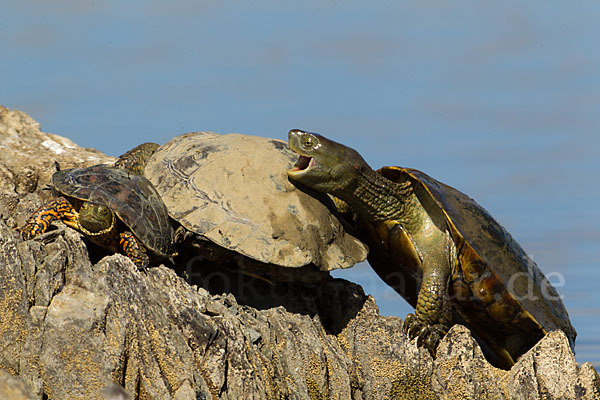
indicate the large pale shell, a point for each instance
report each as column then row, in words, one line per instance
column 233, row 190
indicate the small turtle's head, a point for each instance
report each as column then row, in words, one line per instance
column 95, row 218
column 324, row 165
column 135, row 159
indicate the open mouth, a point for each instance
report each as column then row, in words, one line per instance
column 303, row 164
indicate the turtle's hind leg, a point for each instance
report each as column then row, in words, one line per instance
column 40, row 220
column 133, row 249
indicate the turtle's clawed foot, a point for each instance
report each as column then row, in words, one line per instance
column 134, row 249
column 28, row 231
column 428, row 336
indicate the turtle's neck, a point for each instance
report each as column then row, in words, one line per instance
column 377, row 198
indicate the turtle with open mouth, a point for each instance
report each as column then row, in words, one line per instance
column 439, row 249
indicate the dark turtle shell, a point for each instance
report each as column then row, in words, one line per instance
column 494, row 286
column 131, row 197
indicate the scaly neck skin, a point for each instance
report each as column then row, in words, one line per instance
column 373, row 196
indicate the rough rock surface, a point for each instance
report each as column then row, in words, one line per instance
column 78, row 324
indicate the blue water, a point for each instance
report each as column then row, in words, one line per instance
column 499, row 99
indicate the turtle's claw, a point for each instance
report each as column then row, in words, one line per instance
column 428, row 336
column 26, row 231
column 413, row 327
column 409, row 322
column 423, row 336
column 432, row 342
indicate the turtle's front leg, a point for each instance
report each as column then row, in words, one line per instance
column 133, row 249
column 40, row 220
column 431, row 320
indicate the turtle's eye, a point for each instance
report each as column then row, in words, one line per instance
column 104, row 211
column 308, row 142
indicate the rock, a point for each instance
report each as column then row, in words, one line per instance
column 75, row 323
column 28, row 158
column 14, row 388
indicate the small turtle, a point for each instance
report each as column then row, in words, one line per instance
column 232, row 190
column 440, row 250
column 113, row 208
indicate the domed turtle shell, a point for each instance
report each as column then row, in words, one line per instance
column 234, row 191
column 131, row 197
column 494, row 286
